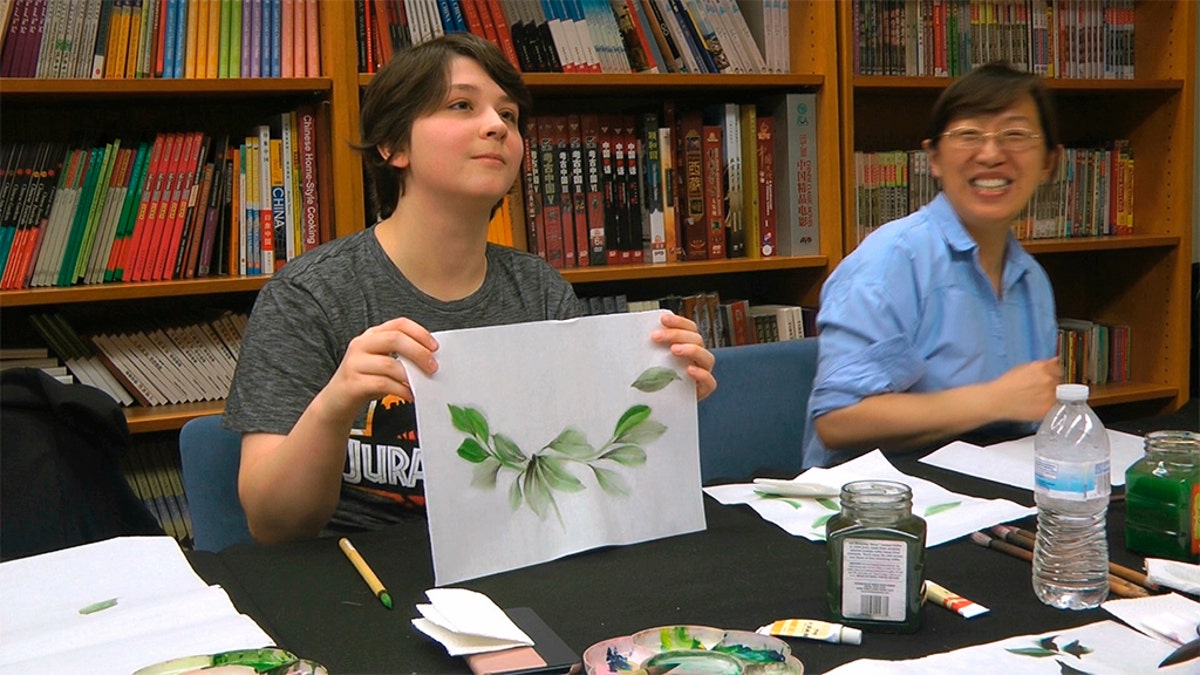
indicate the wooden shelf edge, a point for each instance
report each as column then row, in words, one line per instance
column 897, row 82
column 33, row 297
column 160, row 88
column 549, row 83
column 1129, row 392
column 583, row 275
column 143, row 420
column 1100, row 243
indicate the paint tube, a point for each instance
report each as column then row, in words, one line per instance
column 953, row 601
column 810, row 629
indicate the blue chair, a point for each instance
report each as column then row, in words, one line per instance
column 753, row 424
column 210, row 456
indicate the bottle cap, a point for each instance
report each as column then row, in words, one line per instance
column 1071, row 392
column 851, row 636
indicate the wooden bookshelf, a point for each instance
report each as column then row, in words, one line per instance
column 814, row 69
column 1141, row 280
column 64, row 109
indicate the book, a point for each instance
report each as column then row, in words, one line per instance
column 654, row 239
column 532, row 192
column 494, row 9
column 767, row 204
column 695, row 230
column 578, row 191
column 551, row 207
column 669, row 196
column 641, row 60
column 141, row 254
column 748, row 129
column 566, row 203
column 190, row 168
column 45, row 269
column 713, row 166
column 732, row 181
column 796, row 171
column 667, row 49
column 738, row 322
column 631, row 194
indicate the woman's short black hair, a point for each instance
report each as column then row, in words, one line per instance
column 989, row 89
column 413, row 83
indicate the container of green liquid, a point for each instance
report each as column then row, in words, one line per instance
column 1162, row 497
column 876, row 557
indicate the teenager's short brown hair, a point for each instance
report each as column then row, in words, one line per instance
column 414, row 83
column 989, row 89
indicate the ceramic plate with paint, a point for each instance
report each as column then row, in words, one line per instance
column 692, row 649
column 265, row 661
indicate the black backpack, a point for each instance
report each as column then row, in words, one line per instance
column 60, row 475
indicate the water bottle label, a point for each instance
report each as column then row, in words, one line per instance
column 1076, row 481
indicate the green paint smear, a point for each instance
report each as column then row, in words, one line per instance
column 750, row 654
column 98, row 606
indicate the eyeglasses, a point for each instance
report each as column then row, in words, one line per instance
column 1014, row 140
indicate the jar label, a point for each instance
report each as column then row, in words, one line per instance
column 1076, row 481
column 874, row 579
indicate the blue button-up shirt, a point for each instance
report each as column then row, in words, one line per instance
column 911, row 310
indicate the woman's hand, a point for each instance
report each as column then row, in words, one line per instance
column 680, row 335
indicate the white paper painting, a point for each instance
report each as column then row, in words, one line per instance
column 544, row 439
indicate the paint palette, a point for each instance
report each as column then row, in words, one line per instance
column 270, row 660
column 692, row 649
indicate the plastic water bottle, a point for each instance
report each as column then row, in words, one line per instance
column 1071, row 477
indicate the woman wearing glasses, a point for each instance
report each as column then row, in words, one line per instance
column 939, row 323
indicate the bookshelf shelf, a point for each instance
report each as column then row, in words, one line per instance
column 887, row 83
column 132, row 291
column 582, row 275
column 599, row 83
column 1142, row 280
column 1083, row 244
column 168, row 417
column 1129, row 392
column 41, row 90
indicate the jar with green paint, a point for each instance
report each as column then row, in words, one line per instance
column 1162, row 497
column 876, row 557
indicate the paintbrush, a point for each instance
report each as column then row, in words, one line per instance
column 1025, row 539
column 1116, row 585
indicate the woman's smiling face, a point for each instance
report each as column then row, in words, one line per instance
column 989, row 183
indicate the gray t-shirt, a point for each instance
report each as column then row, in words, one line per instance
column 305, row 317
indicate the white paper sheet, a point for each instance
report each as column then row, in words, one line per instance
column 1169, row 617
column 468, row 622
column 1102, row 648
column 1011, row 462
column 163, row 610
column 616, row 463
column 947, row 514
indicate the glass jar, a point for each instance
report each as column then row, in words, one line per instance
column 1162, row 497
column 876, row 549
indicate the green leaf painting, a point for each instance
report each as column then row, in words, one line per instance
column 829, row 504
column 654, row 379
column 939, row 508
column 1047, row 647
column 549, row 471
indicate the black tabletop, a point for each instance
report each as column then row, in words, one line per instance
column 740, row 573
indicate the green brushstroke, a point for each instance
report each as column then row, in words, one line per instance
column 98, row 606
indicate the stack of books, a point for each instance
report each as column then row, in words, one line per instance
column 155, row 363
column 160, row 38
column 183, row 205
column 722, row 181
column 590, row 36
